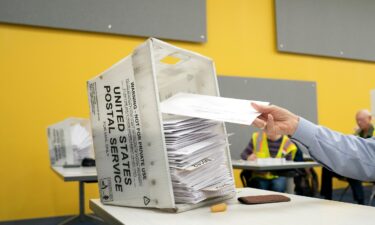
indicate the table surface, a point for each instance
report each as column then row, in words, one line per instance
column 76, row 173
column 253, row 165
column 300, row 210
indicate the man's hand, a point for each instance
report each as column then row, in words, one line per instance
column 275, row 120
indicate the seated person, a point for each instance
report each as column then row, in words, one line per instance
column 263, row 146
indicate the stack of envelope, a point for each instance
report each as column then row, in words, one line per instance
column 196, row 154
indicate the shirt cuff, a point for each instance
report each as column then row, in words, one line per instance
column 305, row 132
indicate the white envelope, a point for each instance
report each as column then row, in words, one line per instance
column 211, row 107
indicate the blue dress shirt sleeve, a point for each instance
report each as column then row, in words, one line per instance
column 347, row 155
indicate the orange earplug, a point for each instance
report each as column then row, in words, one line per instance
column 219, row 208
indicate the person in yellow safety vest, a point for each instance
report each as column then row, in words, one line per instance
column 263, row 146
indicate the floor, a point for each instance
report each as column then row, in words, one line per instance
column 43, row 221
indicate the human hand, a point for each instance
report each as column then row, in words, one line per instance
column 275, row 120
column 252, row 157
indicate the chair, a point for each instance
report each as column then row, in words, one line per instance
column 345, row 190
column 358, row 195
column 372, row 194
column 306, row 183
column 245, row 176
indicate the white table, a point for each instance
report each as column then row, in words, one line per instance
column 300, row 210
column 253, row 165
column 82, row 175
column 76, row 173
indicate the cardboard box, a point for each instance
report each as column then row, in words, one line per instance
column 129, row 142
column 70, row 141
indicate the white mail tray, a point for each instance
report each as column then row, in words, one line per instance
column 130, row 148
column 70, row 141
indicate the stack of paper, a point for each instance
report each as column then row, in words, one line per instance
column 196, row 148
column 81, row 143
column 196, row 153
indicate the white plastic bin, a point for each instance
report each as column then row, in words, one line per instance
column 70, row 141
column 129, row 142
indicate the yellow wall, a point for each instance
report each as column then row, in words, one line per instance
column 43, row 74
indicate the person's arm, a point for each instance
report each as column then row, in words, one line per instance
column 346, row 155
column 248, row 151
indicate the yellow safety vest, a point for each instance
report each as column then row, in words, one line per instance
column 359, row 131
column 261, row 150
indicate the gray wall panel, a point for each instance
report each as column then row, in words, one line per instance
column 297, row 96
column 171, row 19
column 338, row 28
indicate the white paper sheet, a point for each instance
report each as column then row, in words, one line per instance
column 211, row 107
column 81, row 142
